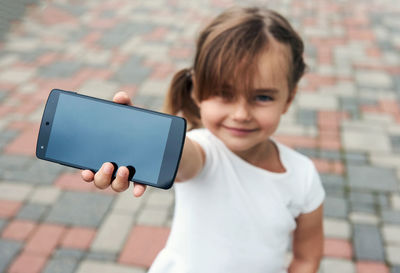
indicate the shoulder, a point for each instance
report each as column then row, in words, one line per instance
column 294, row 158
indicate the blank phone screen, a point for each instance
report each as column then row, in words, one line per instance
column 88, row 132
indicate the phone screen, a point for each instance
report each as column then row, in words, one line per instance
column 90, row 132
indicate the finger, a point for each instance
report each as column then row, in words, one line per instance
column 138, row 189
column 102, row 179
column 121, row 182
column 87, row 175
column 122, row 98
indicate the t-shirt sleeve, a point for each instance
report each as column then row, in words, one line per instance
column 315, row 193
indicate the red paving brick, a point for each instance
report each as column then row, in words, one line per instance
column 25, row 143
column 28, row 263
column 78, row 237
column 18, row 230
column 45, row 239
column 143, row 245
column 338, row 248
column 9, row 208
column 371, row 267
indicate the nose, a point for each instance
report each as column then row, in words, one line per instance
column 242, row 111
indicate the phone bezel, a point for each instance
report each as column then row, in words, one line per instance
column 173, row 149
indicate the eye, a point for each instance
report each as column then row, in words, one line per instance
column 263, row 98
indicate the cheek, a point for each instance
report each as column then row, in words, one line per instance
column 210, row 113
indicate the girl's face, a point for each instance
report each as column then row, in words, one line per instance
column 244, row 122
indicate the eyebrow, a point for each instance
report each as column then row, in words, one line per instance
column 266, row 90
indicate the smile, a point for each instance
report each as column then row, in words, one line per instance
column 239, row 131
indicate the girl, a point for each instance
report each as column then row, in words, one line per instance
column 244, row 194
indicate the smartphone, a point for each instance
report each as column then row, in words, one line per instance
column 84, row 132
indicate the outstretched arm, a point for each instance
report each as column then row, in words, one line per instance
column 191, row 163
column 308, row 242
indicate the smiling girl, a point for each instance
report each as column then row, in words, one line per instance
column 242, row 197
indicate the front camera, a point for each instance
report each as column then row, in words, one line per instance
column 47, row 123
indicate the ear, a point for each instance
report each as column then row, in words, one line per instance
column 290, row 99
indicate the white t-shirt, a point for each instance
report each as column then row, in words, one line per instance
column 235, row 217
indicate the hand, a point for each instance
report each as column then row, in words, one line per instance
column 102, row 179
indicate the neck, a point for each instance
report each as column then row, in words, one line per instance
column 264, row 155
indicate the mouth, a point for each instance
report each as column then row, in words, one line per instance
column 239, row 131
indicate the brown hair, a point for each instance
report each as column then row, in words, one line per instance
column 227, row 50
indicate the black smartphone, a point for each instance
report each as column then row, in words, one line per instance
column 84, row 132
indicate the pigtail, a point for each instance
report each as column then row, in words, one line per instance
column 179, row 99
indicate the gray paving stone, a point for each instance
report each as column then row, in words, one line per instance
column 372, row 178
column 335, row 207
column 102, row 256
column 132, row 72
column 354, row 158
column 61, row 69
column 395, row 141
column 32, row 211
column 309, row 152
column 391, row 216
column 8, row 249
column 307, row 117
column 330, row 155
column 368, row 243
column 81, row 209
column 383, row 201
column 67, row 253
column 395, row 269
column 149, row 102
column 65, row 265
column 362, row 197
column 363, row 207
column 122, row 33
column 3, row 223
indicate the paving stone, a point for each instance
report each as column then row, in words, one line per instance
column 307, row 117
column 363, row 208
column 390, row 216
column 315, row 101
column 112, row 233
column 8, row 249
column 336, row 228
column 152, row 217
column 309, row 152
column 360, row 141
column 383, row 201
column 3, row 223
column 333, row 265
column 391, row 234
column 361, row 197
column 80, row 209
column 132, row 72
column 105, row 256
column 32, row 211
column 372, row 178
column 67, row 253
column 395, row 269
column 375, row 79
column 330, row 155
column 45, row 195
column 335, row 207
column 13, row 191
column 367, row 242
column 127, row 203
column 90, row 266
column 393, row 254
column 61, row 266
column 160, row 199
column 59, row 69
column 395, row 141
column 364, row 218
column 122, row 33
column 395, row 201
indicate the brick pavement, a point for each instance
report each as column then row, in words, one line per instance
column 346, row 118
